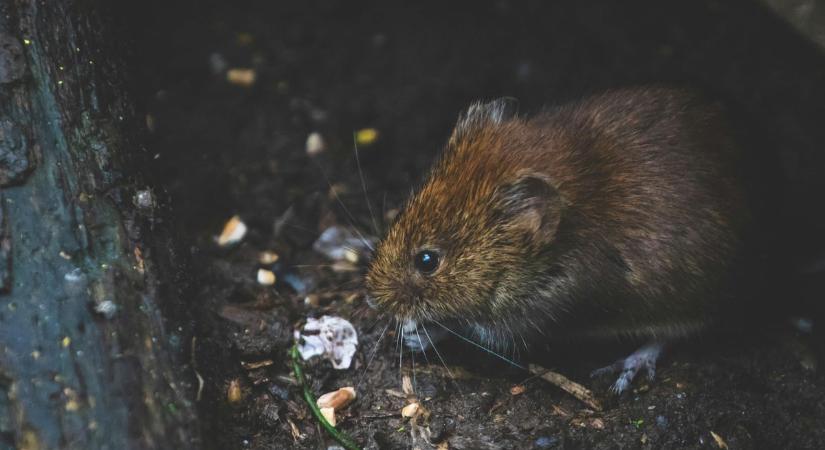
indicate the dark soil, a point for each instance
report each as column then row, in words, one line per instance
column 406, row 70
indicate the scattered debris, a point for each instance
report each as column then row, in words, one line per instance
column 329, row 414
column 337, row 399
column 296, row 432
column 217, row 63
column 106, row 308
column 331, row 337
column 243, row 39
column 546, row 441
column 406, row 385
column 267, row 258
column 571, row 387
column 719, row 441
column 298, row 284
column 410, row 410
column 144, row 199
column 315, row 144
column 366, row 136
column 233, row 232
column 233, row 392
column 241, row 77
column 561, row 412
column 141, row 264
column 256, row 364
column 517, row 389
column 340, row 244
column 266, row 277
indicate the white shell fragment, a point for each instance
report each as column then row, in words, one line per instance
column 233, row 231
column 340, row 244
column 329, row 414
column 332, row 337
column 266, row 277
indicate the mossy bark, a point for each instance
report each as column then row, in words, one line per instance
column 87, row 272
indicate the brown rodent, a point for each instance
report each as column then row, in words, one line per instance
column 617, row 215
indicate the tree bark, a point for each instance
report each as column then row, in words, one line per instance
column 87, row 269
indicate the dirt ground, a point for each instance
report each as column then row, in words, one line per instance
column 406, row 70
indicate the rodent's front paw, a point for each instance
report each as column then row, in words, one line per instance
column 643, row 358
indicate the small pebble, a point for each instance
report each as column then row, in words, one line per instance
column 661, row 422
column 315, row 144
column 278, row 391
column 547, row 442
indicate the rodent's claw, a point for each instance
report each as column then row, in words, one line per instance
column 643, row 358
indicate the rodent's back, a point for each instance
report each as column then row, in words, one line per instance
column 653, row 174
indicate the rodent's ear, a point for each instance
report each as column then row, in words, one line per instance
column 481, row 114
column 533, row 205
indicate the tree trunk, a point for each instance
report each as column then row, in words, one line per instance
column 86, row 266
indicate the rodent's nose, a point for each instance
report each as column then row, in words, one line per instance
column 370, row 301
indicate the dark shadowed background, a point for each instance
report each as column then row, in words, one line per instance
column 406, row 69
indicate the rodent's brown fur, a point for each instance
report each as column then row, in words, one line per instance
column 621, row 214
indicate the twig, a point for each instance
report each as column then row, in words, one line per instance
column 342, row 438
column 571, row 387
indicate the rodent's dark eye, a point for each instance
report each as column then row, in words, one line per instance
column 426, row 261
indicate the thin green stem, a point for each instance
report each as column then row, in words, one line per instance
column 342, row 438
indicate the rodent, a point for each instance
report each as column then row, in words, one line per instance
column 622, row 214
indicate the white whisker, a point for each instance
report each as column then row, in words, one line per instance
column 364, row 187
column 346, row 210
column 470, row 341
column 372, row 355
